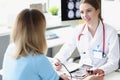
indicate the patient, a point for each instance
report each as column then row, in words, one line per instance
column 24, row 58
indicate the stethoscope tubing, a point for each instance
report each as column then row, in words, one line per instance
column 103, row 28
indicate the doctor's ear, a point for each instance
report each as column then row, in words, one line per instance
column 98, row 12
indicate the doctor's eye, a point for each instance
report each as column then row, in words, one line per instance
column 89, row 10
column 81, row 12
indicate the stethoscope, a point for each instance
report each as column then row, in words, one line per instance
column 103, row 48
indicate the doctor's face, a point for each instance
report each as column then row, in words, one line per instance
column 88, row 13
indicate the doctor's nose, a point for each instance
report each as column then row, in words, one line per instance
column 84, row 14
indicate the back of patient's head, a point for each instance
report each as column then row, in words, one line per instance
column 29, row 33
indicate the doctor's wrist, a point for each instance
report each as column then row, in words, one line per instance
column 57, row 61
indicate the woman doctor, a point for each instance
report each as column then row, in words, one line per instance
column 96, row 41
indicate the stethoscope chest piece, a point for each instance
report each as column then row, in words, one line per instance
column 104, row 55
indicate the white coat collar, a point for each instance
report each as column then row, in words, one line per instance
column 98, row 35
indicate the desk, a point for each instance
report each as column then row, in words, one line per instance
column 111, row 76
column 73, row 66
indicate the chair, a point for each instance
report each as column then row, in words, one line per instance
column 119, row 48
column 4, row 42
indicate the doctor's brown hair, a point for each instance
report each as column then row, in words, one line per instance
column 29, row 33
column 94, row 3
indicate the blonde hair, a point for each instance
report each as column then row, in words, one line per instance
column 29, row 33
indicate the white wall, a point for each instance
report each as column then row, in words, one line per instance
column 10, row 8
column 111, row 12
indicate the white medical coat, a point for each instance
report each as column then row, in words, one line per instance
column 87, row 44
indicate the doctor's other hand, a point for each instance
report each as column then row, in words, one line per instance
column 57, row 64
column 95, row 72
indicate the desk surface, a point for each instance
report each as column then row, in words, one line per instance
column 111, row 76
column 73, row 66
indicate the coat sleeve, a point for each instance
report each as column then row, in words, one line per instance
column 68, row 48
column 113, row 53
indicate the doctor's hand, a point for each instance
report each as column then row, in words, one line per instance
column 95, row 72
column 57, row 64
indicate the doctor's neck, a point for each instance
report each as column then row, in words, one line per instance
column 93, row 27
